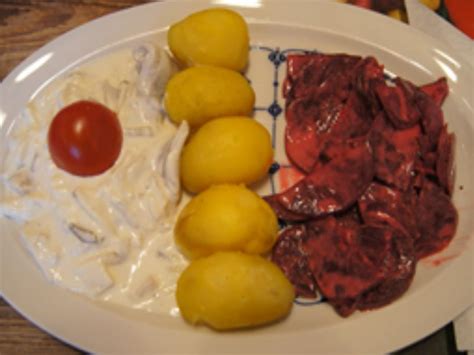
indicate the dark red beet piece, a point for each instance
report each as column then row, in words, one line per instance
column 437, row 220
column 349, row 218
column 395, row 152
column 432, row 120
column 346, row 125
column 399, row 102
column 359, row 267
column 367, row 76
column 437, row 90
column 343, row 262
column 341, row 175
column 321, row 105
column 289, row 256
column 304, row 135
column 322, row 72
column 384, row 205
column 282, row 212
column 445, row 160
column 402, row 261
column 312, row 121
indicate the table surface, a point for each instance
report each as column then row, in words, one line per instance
column 26, row 25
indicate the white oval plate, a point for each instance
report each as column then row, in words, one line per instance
column 438, row 293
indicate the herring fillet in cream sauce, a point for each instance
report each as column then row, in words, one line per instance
column 109, row 236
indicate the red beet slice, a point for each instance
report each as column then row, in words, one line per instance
column 437, row 90
column 321, row 105
column 437, row 220
column 445, row 160
column 384, row 205
column 380, row 143
column 432, row 120
column 401, row 263
column 311, row 122
column 395, row 152
column 290, row 257
column 359, row 267
column 399, row 102
column 343, row 172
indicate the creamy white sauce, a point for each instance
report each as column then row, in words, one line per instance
column 110, row 236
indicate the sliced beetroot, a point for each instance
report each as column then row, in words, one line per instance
column 437, row 220
column 350, row 218
column 343, row 262
column 437, row 90
column 290, row 257
column 301, row 139
column 326, row 73
column 379, row 164
column 342, row 173
column 388, row 206
column 355, row 267
column 401, row 264
column 445, row 160
column 321, row 104
column 313, row 121
column 367, row 76
column 432, row 120
column 304, row 74
column 399, row 102
column 395, row 152
column 308, row 123
column 282, row 212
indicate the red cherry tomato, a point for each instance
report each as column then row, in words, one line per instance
column 85, row 138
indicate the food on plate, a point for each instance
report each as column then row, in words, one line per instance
column 234, row 150
column 110, row 235
column 379, row 171
column 226, row 218
column 199, row 94
column 227, row 150
column 212, row 37
column 92, row 177
column 230, row 290
column 85, row 138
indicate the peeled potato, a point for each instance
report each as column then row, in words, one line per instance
column 225, row 218
column 229, row 290
column 199, row 94
column 212, row 37
column 226, row 150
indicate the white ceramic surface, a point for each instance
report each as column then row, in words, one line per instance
column 443, row 285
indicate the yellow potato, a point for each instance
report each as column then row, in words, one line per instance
column 203, row 93
column 229, row 290
column 432, row 4
column 226, row 150
column 212, row 37
column 225, row 218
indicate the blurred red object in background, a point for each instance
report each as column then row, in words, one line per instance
column 461, row 13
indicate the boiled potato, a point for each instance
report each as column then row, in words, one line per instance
column 229, row 290
column 199, row 94
column 213, row 37
column 226, row 217
column 226, row 150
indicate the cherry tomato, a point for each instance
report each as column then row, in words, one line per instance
column 85, row 138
